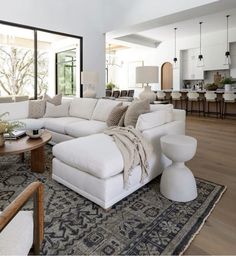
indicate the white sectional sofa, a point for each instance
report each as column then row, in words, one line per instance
column 88, row 161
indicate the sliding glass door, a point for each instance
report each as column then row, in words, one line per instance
column 34, row 62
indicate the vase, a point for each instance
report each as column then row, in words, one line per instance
column 2, row 140
column 147, row 93
column 228, row 87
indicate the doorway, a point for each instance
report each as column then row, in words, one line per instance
column 167, row 76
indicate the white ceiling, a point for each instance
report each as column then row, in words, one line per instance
column 211, row 23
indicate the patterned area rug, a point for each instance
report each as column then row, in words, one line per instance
column 145, row 223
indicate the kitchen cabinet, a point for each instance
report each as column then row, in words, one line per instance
column 190, row 70
column 214, row 57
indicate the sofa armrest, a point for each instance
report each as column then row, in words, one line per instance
column 34, row 190
column 179, row 115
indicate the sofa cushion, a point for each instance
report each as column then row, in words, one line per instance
column 97, row 155
column 56, row 100
column 17, row 237
column 103, row 109
column 85, row 128
column 17, row 110
column 82, row 107
column 137, row 108
column 31, row 123
column 116, row 114
column 58, row 124
column 6, row 99
column 36, row 108
column 154, row 119
column 57, row 111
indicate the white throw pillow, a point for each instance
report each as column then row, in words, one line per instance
column 103, row 109
column 17, row 110
column 57, row 111
column 82, row 107
column 154, row 119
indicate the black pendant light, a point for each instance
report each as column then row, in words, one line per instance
column 200, row 62
column 227, row 53
column 175, row 57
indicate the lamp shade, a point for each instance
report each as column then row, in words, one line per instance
column 147, row 74
column 89, row 77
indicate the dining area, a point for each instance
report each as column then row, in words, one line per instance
column 219, row 103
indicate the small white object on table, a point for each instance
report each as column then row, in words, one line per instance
column 177, row 181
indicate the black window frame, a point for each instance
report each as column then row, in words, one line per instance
column 56, row 66
column 35, row 30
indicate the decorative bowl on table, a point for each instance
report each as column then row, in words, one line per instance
column 35, row 134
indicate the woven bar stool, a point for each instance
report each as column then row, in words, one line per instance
column 177, row 97
column 161, row 95
column 228, row 98
column 211, row 97
column 194, row 97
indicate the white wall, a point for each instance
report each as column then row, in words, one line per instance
column 164, row 53
column 77, row 17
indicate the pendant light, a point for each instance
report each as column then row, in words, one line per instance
column 111, row 60
column 175, row 60
column 200, row 61
column 227, row 53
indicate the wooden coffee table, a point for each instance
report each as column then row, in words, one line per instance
column 25, row 144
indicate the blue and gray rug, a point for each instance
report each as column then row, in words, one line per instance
column 145, row 223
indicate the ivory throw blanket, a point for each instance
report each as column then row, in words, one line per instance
column 134, row 148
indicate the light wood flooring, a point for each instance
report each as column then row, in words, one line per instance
column 215, row 160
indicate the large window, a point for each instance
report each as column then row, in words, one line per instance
column 33, row 61
column 66, row 72
column 16, row 61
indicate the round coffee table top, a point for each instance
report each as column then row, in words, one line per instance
column 24, row 144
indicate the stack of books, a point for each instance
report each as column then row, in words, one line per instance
column 15, row 135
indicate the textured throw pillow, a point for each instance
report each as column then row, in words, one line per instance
column 137, row 108
column 115, row 115
column 36, row 108
column 57, row 111
column 122, row 120
column 56, row 100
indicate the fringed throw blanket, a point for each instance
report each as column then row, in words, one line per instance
column 134, row 148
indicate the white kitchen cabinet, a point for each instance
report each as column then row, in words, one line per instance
column 190, row 70
column 214, row 57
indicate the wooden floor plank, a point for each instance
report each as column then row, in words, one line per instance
column 215, row 160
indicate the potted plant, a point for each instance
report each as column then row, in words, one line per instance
column 227, row 83
column 211, row 87
column 7, row 127
column 111, row 86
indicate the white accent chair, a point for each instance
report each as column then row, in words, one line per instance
column 20, row 230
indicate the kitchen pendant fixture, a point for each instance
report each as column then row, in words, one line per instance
column 175, row 60
column 200, row 61
column 227, row 53
column 111, row 59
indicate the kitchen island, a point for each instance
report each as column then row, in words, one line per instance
column 230, row 110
